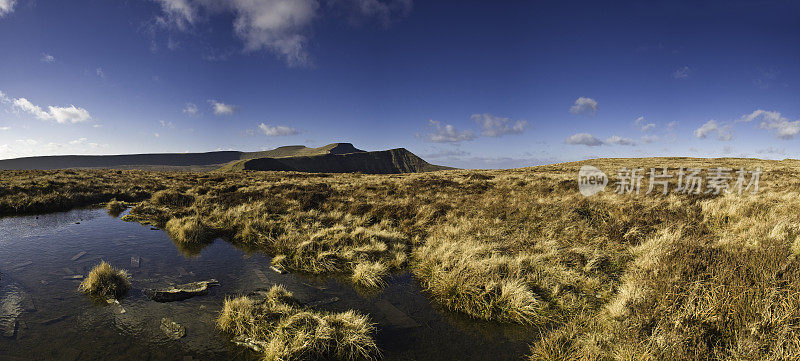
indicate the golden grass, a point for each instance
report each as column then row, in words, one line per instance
column 115, row 207
column 106, row 282
column 274, row 324
column 711, row 277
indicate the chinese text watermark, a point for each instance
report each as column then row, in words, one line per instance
column 676, row 180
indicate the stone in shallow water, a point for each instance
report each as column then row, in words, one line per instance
column 12, row 304
column 396, row 317
column 135, row 260
column 181, row 292
column 79, row 255
column 172, row 329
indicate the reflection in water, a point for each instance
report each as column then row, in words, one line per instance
column 42, row 259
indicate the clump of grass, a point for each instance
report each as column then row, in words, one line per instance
column 274, row 324
column 171, row 197
column 369, row 274
column 189, row 230
column 115, row 207
column 105, row 281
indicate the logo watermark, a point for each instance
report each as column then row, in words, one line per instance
column 659, row 180
column 591, row 180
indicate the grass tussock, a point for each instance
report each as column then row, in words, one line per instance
column 106, row 282
column 115, row 207
column 274, row 324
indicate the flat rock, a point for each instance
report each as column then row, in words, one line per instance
column 172, row 329
column 79, row 255
column 53, row 320
column 396, row 317
column 180, row 292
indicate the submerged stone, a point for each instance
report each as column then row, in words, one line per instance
column 180, row 292
column 172, row 329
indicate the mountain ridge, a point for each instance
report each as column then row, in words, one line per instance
column 345, row 156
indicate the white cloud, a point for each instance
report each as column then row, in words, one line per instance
column 180, row 13
column 5, row 128
column 383, row 11
column 25, row 105
column 497, row 126
column 642, row 122
column 277, row 130
column 711, row 126
column 772, row 120
column 615, row 139
column 190, row 109
column 446, row 153
column 584, row 105
column 61, row 115
column 649, row 139
column 584, row 139
column 78, row 141
column 71, row 114
column 3, row 97
column 276, row 25
column 222, row 108
column 682, row 73
column 446, row 133
column 671, row 125
column 28, row 141
column 100, row 72
column 156, row 135
column 6, row 7
column 47, row 58
column 166, row 124
column 771, row 150
column 279, row 26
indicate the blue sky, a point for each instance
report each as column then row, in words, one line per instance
column 479, row 84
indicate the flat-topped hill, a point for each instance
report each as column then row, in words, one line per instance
column 333, row 158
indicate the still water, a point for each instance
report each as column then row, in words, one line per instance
column 44, row 317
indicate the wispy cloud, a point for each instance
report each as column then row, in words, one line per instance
column 190, row 109
column 723, row 131
column 6, row 7
column 583, row 105
column 47, row 58
column 221, row 108
column 493, row 126
column 615, row 139
column 277, row 130
column 100, row 72
column 446, row 133
column 772, row 120
column 682, row 73
column 62, row 115
column 584, row 139
column 644, row 124
column 278, row 26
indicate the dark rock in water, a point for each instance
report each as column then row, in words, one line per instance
column 180, row 292
column 172, row 329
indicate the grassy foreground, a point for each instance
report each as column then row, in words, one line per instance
column 604, row 277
